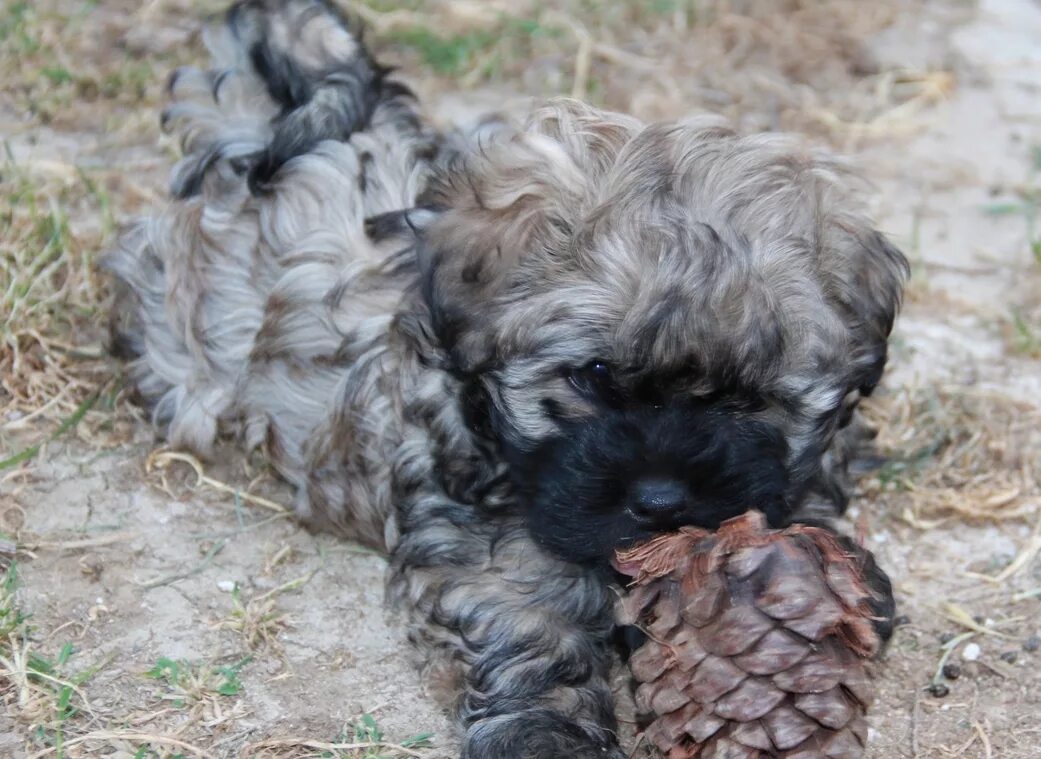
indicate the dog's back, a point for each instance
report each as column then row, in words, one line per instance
column 238, row 302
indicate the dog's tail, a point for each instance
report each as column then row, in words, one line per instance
column 287, row 75
column 290, row 140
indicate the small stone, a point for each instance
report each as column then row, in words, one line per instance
column 226, row 585
column 1032, row 644
column 979, row 619
column 938, row 690
column 901, row 621
column 951, row 671
column 971, row 652
column 1010, row 657
column 92, row 566
column 946, row 638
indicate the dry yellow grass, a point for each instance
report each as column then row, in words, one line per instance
column 959, row 453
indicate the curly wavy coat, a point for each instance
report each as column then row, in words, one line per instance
column 500, row 355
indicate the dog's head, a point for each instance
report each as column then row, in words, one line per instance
column 658, row 325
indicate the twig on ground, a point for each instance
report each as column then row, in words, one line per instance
column 162, row 459
column 170, row 579
column 252, row 748
column 72, row 545
column 957, row 614
column 128, row 735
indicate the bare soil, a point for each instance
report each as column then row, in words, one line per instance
column 203, row 622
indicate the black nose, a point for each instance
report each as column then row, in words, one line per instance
column 658, row 499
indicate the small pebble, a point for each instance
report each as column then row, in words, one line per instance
column 1032, row 644
column 951, row 671
column 978, row 619
column 226, row 585
column 946, row 638
column 971, row 652
column 902, row 620
column 939, row 690
column 1009, row 657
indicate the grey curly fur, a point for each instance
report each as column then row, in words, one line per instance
column 259, row 304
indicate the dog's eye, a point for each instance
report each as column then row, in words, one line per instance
column 599, row 371
column 595, row 380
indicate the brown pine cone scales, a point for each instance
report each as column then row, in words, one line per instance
column 758, row 641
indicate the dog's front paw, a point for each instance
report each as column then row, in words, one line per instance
column 538, row 734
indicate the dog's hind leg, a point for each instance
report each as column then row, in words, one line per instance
column 290, row 140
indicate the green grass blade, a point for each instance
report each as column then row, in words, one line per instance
column 30, row 452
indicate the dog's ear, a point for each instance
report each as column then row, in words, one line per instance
column 865, row 275
column 509, row 200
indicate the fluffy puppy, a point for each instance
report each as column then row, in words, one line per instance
column 497, row 356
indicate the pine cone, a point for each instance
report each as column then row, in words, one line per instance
column 758, row 641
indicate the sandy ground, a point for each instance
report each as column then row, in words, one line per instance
column 279, row 634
